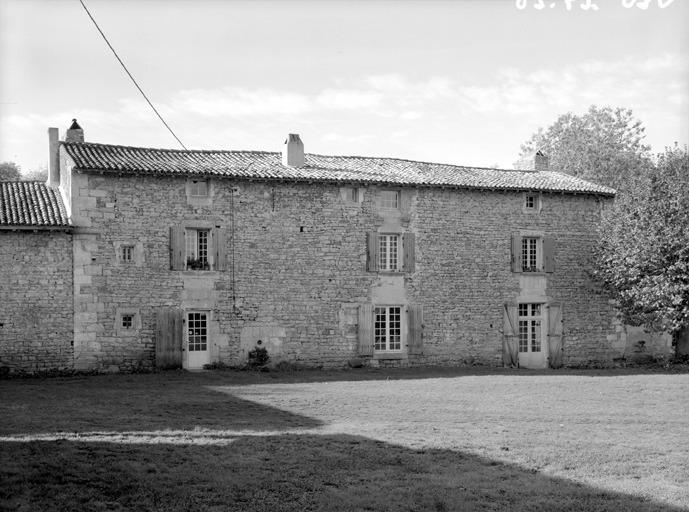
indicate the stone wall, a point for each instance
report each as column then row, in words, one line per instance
column 296, row 269
column 36, row 307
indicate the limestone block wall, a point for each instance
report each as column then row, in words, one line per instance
column 296, row 269
column 36, row 307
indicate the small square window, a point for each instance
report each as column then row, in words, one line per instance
column 127, row 321
column 127, row 253
column 198, row 188
column 389, row 199
column 352, row 195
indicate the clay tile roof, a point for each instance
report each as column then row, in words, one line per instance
column 31, row 203
column 345, row 169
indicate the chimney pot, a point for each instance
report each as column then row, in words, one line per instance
column 74, row 133
column 534, row 161
column 293, row 151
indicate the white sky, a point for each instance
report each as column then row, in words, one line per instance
column 451, row 81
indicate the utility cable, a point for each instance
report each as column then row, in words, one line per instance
column 130, row 75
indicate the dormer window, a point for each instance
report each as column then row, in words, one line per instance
column 198, row 188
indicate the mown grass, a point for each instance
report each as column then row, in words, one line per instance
column 454, row 440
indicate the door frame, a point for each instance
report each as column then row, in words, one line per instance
column 204, row 359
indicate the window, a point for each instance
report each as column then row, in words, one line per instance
column 390, row 199
column 127, row 321
column 387, row 328
column 530, row 327
column 197, row 324
column 531, row 202
column 352, row 195
column 127, row 253
column 388, row 252
column 197, row 249
column 391, row 252
column 198, row 188
column 531, row 255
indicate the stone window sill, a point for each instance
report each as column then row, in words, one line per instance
column 390, row 355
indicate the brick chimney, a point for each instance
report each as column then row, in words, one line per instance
column 293, row 151
column 534, row 161
column 74, row 133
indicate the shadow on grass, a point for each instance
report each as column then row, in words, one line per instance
column 281, row 473
column 133, row 405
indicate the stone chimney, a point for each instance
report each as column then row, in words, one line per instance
column 53, row 158
column 74, row 133
column 293, row 151
column 534, row 161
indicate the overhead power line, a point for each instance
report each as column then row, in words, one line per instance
column 130, row 75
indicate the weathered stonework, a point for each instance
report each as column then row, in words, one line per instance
column 36, row 312
column 297, row 270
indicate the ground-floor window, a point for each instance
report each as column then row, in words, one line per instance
column 197, row 324
column 387, row 328
column 530, row 327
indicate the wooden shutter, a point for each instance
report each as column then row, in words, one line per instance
column 177, row 248
column 372, row 252
column 549, row 254
column 365, row 330
column 516, row 253
column 169, row 330
column 510, row 345
column 415, row 329
column 220, row 248
column 555, row 334
column 409, row 251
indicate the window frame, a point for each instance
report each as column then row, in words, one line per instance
column 204, row 263
column 127, row 254
column 194, row 188
column 526, row 324
column 386, row 257
column 532, row 249
column 398, row 345
column 398, row 199
column 537, row 202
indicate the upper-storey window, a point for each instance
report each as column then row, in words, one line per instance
column 194, row 248
column 390, row 252
column 390, row 199
column 352, row 195
column 531, row 202
column 198, row 188
column 533, row 253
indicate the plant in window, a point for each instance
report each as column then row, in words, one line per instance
column 197, row 264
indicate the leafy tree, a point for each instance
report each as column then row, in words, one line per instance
column 38, row 174
column 9, row 171
column 643, row 258
column 603, row 146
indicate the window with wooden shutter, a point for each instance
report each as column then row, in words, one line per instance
column 549, row 254
column 177, row 248
column 220, row 248
column 365, row 346
column 510, row 345
column 409, row 252
column 555, row 334
column 415, row 328
column 372, row 252
column 169, row 336
column 516, row 253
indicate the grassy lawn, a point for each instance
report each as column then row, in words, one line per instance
column 445, row 439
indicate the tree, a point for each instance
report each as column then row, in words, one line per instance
column 38, row 174
column 603, row 146
column 643, row 257
column 9, row 171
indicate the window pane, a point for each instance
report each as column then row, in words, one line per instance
column 393, row 252
column 395, row 328
column 536, row 336
column 380, row 329
column 383, row 252
column 203, row 246
column 190, row 237
column 523, row 336
column 197, row 331
column 199, row 188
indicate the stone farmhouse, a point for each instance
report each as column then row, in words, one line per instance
column 129, row 257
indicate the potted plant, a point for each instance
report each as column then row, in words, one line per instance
column 197, row 264
column 258, row 356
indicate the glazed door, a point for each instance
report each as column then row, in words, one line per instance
column 198, row 352
column 532, row 347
